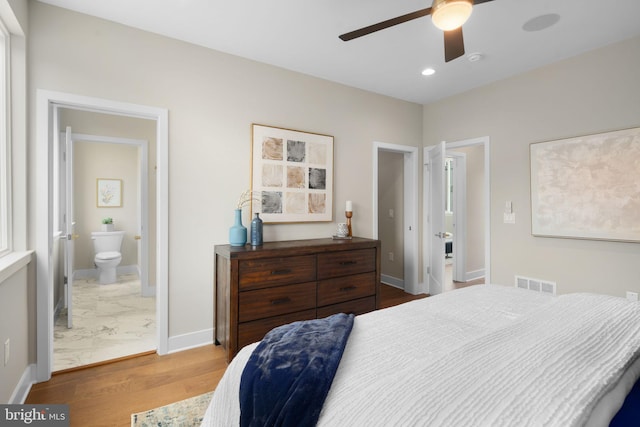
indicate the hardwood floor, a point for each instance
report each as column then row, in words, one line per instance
column 107, row 394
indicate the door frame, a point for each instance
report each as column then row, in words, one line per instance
column 459, row 214
column 434, row 275
column 411, row 204
column 485, row 141
column 46, row 100
column 143, row 206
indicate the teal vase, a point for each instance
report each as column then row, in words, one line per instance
column 238, row 232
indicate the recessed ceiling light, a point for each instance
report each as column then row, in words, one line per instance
column 473, row 57
column 428, row 72
column 541, row 22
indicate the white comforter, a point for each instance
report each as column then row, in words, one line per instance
column 485, row 355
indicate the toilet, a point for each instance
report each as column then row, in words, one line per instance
column 106, row 245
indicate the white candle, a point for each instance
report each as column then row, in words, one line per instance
column 349, row 207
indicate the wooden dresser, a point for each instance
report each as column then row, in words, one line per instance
column 257, row 289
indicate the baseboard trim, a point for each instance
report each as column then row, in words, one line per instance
column 190, row 340
column 474, row 275
column 91, row 273
column 392, row 281
column 23, row 388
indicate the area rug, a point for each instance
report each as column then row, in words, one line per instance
column 185, row 413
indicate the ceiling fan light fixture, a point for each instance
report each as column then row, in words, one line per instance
column 450, row 14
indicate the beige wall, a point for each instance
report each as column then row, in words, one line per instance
column 14, row 326
column 110, row 161
column 212, row 100
column 475, row 208
column 391, row 196
column 594, row 92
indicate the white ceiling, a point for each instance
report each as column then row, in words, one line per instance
column 302, row 35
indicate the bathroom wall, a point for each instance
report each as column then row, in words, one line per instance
column 93, row 161
column 115, row 161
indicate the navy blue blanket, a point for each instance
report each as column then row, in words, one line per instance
column 629, row 414
column 288, row 375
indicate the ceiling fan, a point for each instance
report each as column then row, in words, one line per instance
column 448, row 15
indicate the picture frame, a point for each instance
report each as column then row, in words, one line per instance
column 587, row 187
column 291, row 175
column 108, row 193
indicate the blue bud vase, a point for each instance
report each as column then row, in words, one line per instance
column 238, row 232
column 256, row 231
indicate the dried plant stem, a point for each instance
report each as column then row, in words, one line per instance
column 245, row 198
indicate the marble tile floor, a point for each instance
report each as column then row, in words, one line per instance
column 109, row 321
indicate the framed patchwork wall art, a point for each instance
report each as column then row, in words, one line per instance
column 291, row 175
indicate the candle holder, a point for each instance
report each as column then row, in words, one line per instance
column 349, row 214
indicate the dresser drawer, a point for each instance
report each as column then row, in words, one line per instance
column 254, row 331
column 262, row 273
column 269, row 302
column 331, row 291
column 358, row 306
column 343, row 263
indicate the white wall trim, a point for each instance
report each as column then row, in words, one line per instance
column 13, row 262
column 392, row 281
column 474, row 275
column 90, row 273
column 191, row 340
column 411, row 210
column 45, row 101
column 23, row 387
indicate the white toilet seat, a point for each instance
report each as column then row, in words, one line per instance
column 107, row 256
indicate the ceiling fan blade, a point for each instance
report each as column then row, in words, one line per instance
column 453, row 44
column 385, row 24
column 481, row 1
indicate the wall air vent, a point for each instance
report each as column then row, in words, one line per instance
column 536, row 285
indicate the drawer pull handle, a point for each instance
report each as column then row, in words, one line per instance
column 280, row 301
column 348, row 288
column 348, row 262
column 282, row 271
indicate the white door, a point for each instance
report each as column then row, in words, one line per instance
column 69, row 226
column 436, row 164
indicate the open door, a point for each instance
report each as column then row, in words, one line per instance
column 436, row 233
column 69, row 223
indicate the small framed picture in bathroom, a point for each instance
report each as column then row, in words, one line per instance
column 109, row 193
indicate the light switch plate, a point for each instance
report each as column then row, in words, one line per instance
column 510, row 218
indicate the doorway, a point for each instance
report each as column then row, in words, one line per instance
column 469, row 235
column 95, row 322
column 455, row 207
column 47, row 126
column 409, row 215
column 390, row 218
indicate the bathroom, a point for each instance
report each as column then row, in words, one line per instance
column 116, row 318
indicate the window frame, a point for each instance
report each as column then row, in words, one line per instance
column 6, row 241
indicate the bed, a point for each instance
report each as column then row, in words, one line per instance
column 485, row 355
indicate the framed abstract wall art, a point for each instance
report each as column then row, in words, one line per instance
column 587, row 187
column 109, row 193
column 291, row 175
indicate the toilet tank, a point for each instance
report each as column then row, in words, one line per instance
column 107, row 241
